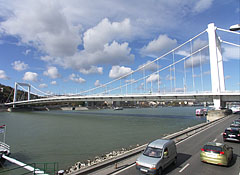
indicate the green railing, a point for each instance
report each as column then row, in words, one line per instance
column 48, row 168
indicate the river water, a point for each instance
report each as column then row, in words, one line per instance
column 70, row 136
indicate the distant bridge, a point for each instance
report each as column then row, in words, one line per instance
column 183, row 79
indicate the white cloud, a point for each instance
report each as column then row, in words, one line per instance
column 92, row 70
column 153, row 78
column 97, row 83
column 105, row 32
column 99, row 48
column 19, row 66
column 151, row 66
column 27, row 52
column 76, row 78
column 202, row 5
column 54, row 83
column 43, row 85
column 118, row 71
column 30, row 76
column 52, row 72
column 48, row 29
column 227, row 77
column 3, row 75
column 231, row 53
column 159, row 46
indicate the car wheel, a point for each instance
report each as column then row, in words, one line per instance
column 159, row 171
column 175, row 161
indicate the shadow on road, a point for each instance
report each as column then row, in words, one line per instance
column 180, row 161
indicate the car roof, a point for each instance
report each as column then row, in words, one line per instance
column 232, row 129
column 215, row 144
column 159, row 143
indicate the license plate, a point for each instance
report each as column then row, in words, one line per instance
column 231, row 135
column 211, row 155
column 144, row 170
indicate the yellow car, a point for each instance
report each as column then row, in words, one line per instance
column 216, row 153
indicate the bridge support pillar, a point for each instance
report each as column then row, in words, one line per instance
column 218, row 103
column 15, row 94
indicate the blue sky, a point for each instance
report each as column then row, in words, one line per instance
column 67, row 46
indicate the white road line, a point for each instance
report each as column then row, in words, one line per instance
column 214, row 140
column 184, row 168
column 123, row 169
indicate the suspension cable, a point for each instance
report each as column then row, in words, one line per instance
column 229, row 31
column 233, row 44
column 142, row 67
column 166, row 67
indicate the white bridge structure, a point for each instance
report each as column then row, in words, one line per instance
column 193, row 71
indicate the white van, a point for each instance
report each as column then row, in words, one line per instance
column 158, row 155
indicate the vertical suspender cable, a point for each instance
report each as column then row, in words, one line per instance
column 192, row 67
column 201, row 70
column 144, row 83
column 170, row 78
column 185, row 77
column 174, row 73
column 158, row 77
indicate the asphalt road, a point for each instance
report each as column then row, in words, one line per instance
column 189, row 163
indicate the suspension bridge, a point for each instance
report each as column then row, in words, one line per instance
column 201, row 69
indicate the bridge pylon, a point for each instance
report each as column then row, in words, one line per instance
column 15, row 91
column 216, row 65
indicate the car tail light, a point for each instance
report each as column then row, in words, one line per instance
column 224, row 133
column 202, row 149
column 238, row 135
column 222, row 153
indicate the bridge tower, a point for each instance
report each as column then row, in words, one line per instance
column 15, row 92
column 216, row 66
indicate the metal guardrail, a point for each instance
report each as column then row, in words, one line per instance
column 48, row 168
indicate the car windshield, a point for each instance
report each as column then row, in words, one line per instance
column 236, row 122
column 153, row 152
column 233, row 131
column 211, row 148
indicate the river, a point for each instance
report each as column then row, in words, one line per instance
column 70, row 136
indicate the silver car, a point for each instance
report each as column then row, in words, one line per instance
column 157, row 156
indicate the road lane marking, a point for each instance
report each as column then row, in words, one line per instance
column 124, row 169
column 184, row 168
column 214, row 140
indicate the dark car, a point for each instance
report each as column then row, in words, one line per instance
column 235, row 123
column 231, row 134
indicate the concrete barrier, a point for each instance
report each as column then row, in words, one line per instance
column 217, row 114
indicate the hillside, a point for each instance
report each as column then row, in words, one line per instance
column 6, row 94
